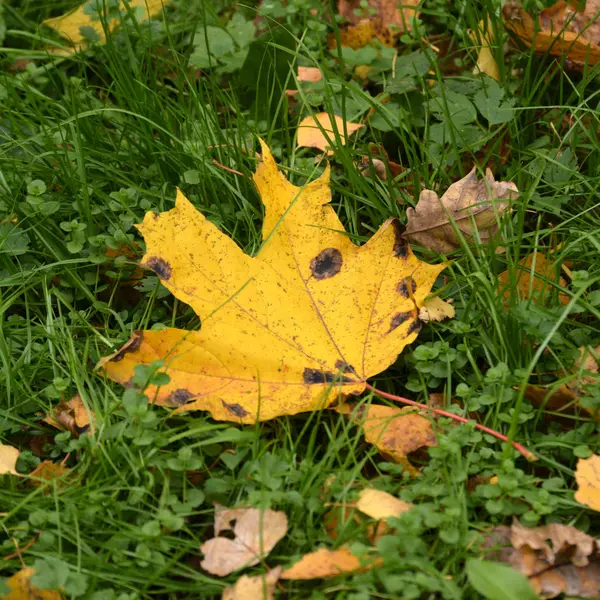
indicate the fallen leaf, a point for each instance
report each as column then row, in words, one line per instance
column 566, row 398
column 436, row 309
column 396, row 432
column 384, row 12
column 469, row 204
column 255, row 534
column 325, row 563
column 21, row 588
column 47, row 472
column 71, row 416
column 377, row 163
column 486, row 63
column 587, row 475
column 560, row 30
column 556, row 558
column 257, row 587
column 362, row 34
column 318, row 132
column 310, row 318
column 535, row 279
column 308, row 75
column 78, row 26
column 378, row 504
column 8, row 460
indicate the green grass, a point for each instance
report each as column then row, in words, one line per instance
column 111, row 132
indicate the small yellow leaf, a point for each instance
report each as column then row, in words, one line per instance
column 396, row 432
column 72, row 416
column 318, row 132
column 75, row 23
column 469, row 205
column 309, row 74
column 325, row 563
column 21, row 588
column 47, row 472
column 308, row 319
column 257, row 587
column 8, row 460
column 436, row 309
column 255, row 534
column 486, row 63
column 378, row 504
column 587, row 475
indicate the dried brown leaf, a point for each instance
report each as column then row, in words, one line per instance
column 436, row 309
column 71, row 416
column 471, row 205
column 47, row 472
column 386, row 12
column 255, row 534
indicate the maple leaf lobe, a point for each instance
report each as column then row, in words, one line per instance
column 326, row 264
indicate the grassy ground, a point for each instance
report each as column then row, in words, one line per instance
column 91, row 142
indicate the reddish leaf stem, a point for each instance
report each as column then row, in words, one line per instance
column 526, row 453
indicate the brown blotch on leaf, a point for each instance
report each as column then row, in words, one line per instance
column 235, row 409
column 160, row 266
column 344, row 367
column 180, row 397
column 317, row 376
column 326, row 264
column 399, row 318
column 406, row 284
column 132, row 345
column 415, row 326
column 400, row 244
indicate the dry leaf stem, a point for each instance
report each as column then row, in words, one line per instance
column 518, row 447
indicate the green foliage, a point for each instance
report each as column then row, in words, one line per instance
column 496, row 581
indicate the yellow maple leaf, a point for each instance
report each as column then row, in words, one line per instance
column 8, row 460
column 325, row 563
column 486, row 62
column 308, row 319
column 75, row 23
column 21, row 588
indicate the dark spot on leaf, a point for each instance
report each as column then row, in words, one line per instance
column 130, row 345
column 326, row 264
column 180, row 397
column 318, row 376
column 399, row 318
column 235, row 409
column 406, row 284
column 160, row 266
column 344, row 367
column 400, row 244
column 80, row 430
column 415, row 326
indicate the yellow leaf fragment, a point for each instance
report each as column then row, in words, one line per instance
column 471, row 206
column 362, row 34
column 486, row 63
column 320, row 132
column 587, row 476
column 72, row 416
column 378, row 504
column 436, row 309
column 560, row 30
column 308, row 319
column 255, row 534
column 257, row 587
column 8, row 460
column 47, row 472
column 325, row 563
column 396, row 432
column 74, row 24
column 309, row 74
column 21, row 588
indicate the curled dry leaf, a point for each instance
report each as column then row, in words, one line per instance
column 436, row 309
column 78, row 26
column 378, row 504
column 377, row 163
column 469, row 205
column 536, row 279
column 255, row 534
column 325, row 563
column 21, row 588
column 8, row 460
column 257, row 587
column 71, row 416
column 560, row 30
column 319, row 132
column 385, row 13
column 396, row 432
column 566, row 398
column 587, row 475
column 556, row 558
column 486, row 63
column 309, row 319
